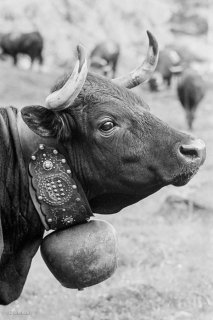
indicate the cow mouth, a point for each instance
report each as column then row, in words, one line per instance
column 184, row 177
column 192, row 156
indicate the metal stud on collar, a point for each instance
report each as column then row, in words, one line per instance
column 41, row 147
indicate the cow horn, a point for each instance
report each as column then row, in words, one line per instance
column 144, row 71
column 64, row 97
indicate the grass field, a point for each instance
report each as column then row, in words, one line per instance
column 165, row 247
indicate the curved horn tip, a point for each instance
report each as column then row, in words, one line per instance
column 81, row 55
column 152, row 41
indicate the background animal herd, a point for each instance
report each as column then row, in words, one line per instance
column 104, row 60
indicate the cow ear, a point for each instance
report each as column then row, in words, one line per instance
column 44, row 122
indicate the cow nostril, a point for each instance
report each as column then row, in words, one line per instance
column 193, row 151
column 188, row 151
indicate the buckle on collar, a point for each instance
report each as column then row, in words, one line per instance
column 53, row 190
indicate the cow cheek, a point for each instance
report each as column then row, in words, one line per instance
column 133, row 167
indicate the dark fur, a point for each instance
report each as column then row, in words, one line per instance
column 19, row 222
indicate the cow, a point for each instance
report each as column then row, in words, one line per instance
column 169, row 64
column 190, row 91
column 104, row 58
column 15, row 43
column 118, row 153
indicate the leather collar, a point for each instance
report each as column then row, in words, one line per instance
column 56, row 194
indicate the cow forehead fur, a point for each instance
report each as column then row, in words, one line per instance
column 100, row 90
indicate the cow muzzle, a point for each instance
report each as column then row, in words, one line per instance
column 195, row 152
column 191, row 156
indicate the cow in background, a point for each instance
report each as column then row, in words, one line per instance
column 190, row 90
column 169, row 64
column 104, row 58
column 15, row 43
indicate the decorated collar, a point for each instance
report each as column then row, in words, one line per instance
column 58, row 197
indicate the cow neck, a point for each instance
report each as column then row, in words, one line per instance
column 54, row 212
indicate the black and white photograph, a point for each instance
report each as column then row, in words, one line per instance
column 106, row 160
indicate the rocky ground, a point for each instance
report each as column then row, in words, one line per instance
column 165, row 242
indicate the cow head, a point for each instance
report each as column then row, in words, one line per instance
column 119, row 151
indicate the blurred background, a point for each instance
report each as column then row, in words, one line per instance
column 165, row 241
column 66, row 23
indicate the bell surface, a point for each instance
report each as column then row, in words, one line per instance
column 82, row 255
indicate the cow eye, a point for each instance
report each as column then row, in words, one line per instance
column 107, row 126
